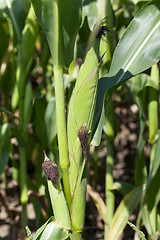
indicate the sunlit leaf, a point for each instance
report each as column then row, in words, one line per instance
column 41, row 229
column 54, row 230
column 138, row 49
column 123, row 212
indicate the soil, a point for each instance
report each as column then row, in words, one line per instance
column 125, row 149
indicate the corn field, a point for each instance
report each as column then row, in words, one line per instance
column 79, row 109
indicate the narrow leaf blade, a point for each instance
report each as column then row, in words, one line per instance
column 123, row 212
column 5, row 145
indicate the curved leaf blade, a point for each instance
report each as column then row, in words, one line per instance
column 41, row 229
column 123, row 212
column 54, row 230
column 152, row 193
column 138, row 49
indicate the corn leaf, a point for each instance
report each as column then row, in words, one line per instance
column 25, row 54
column 38, row 119
column 60, row 21
column 3, row 42
column 123, row 212
column 27, row 105
column 139, row 89
column 138, row 49
column 54, row 230
column 152, row 193
column 122, row 186
column 50, row 120
column 41, row 229
column 90, row 11
column 5, row 145
column 59, row 204
column 13, row 9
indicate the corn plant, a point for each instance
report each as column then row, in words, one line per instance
column 106, row 66
column 86, row 104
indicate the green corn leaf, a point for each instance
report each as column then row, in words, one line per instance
column 60, row 21
column 139, row 89
column 154, row 172
column 146, row 219
column 25, row 5
column 5, row 145
column 152, row 194
column 98, row 133
column 90, row 11
column 50, row 120
column 38, row 119
column 122, row 186
column 13, row 9
column 138, row 49
column 158, row 222
column 3, row 42
column 27, row 105
column 123, row 212
column 60, row 228
column 79, row 202
column 54, row 230
column 59, row 204
column 41, row 229
column 18, row 135
column 27, row 48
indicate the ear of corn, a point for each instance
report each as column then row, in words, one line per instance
column 80, row 119
column 81, row 110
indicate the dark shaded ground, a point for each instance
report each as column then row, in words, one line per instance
column 125, row 149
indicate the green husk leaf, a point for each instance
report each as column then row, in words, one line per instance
column 81, row 109
column 54, row 230
column 41, row 229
